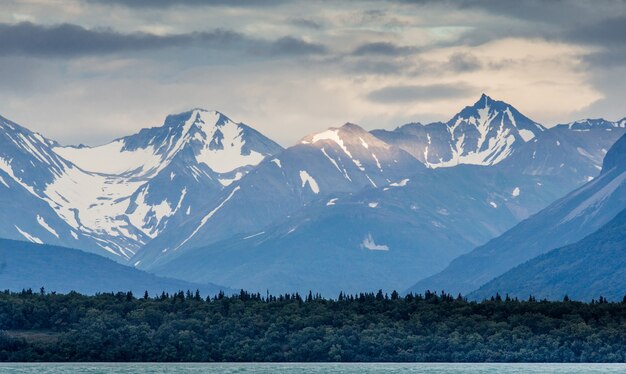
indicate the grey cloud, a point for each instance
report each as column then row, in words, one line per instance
column 292, row 46
column 609, row 32
column 67, row 40
column 196, row 3
column 384, row 67
column 404, row 94
column 306, row 23
column 464, row 62
column 607, row 58
column 382, row 49
column 599, row 22
column 551, row 11
column 73, row 40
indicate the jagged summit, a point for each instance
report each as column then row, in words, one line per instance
column 483, row 102
column 485, row 133
column 214, row 140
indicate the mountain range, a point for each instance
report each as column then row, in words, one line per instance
column 205, row 199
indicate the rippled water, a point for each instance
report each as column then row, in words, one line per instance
column 311, row 368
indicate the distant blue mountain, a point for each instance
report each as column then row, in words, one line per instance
column 585, row 270
column 344, row 211
column 217, row 197
column 339, row 160
column 26, row 265
column 564, row 222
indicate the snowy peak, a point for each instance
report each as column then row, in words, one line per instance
column 27, row 157
column 493, row 119
column 124, row 193
column 215, row 140
column 351, row 144
column 485, row 133
column 223, row 145
column 348, row 136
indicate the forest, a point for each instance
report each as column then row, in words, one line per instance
column 379, row 327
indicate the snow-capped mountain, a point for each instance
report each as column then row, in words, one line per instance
column 168, row 171
column 378, row 238
column 415, row 219
column 123, row 194
column 382, row 198
column 339, row 160
column 28, row 167
column 211, row 138
column 485, row 133
column 566, row 221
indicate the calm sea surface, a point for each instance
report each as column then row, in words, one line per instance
column 311, row 368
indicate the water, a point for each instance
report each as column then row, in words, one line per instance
column 311, row 368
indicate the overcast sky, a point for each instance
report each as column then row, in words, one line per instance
column 88, row 71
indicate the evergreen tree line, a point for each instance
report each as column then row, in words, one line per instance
column 429, row 327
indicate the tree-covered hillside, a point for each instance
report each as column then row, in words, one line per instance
column 36, row 326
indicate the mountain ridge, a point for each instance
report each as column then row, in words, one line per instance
column 563, row 222
column 25, row 265
column 201, row 178
column 592, row 267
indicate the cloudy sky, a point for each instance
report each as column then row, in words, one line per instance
column 88, row 71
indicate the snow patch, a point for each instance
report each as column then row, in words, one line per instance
column 45, row 225
column 527, row 135
column 368, row 243
column 333, row 135
column 253, row 235
column 332, row 160
column 377, row 162
column 402, row 183
column 227, row 182
column 306, row 178
column 363, row 143
column 28, row 236
column 206, row 218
